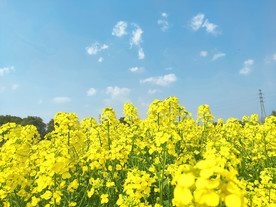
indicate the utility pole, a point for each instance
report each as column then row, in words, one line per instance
column 263, row 115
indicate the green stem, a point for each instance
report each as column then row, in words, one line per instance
column 108, row 135
column 99, row 138
column 84, row 195
column 68, row 143
column 55, row 180
column 162, row 177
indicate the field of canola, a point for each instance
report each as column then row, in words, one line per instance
column 168, row 159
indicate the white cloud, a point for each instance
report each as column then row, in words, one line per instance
column 92, row 50
column 95, row 48
column 104, row 47
column 6, row 70
column 163, row 22
column 14, row 86
column 141, row 54
column 136, row 39
column 245, row 70
column 117, row 92
column 247, row 64
column 160, row 80
column 40, row 101
column 119, row 29
column 203, row 53
column 136, row 69
column 210, row 27
column 136, row 36
column 164, row 15
column 100, row 60
column 197, row 21
column 274, row 57
column 218, row 55
column 60, row 100
column 91, row 92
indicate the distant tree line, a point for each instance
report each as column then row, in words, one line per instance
column 43, row 128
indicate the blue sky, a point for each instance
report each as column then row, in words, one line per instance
column 83, row 56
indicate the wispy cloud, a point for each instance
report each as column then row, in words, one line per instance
column 218, row 55
column 136, row 69
column 247, row 65
column 137, row 40
column 61, row 100
column 164, row 14
column 198, row 22
column 274, row 57
column 210, row 27
column 100, row 60
column 136, row 36
column 161, row 80
column 119, row 29
column 117, row 92
column 6, row 70
column 91, row 92
column 141, row 54
column 203, row 53
column 14, row 86
column 95, row 48
column 164, row 24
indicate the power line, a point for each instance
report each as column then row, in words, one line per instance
column 263, row 115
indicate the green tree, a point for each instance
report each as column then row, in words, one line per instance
column 37, row 122
column 273, row 113
column 50, row 126
column 9, row 118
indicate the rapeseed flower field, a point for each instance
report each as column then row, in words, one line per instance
column 168, row 159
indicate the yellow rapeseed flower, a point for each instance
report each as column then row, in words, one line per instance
column 104, row 198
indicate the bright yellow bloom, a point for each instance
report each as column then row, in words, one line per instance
column 35, row 201
column 72, row 204
column 90, row 192
column 110, row 184
column 233, row 200
column 73, row 186
column 186, row 180
column 47, row 195
column 182, row 196
column 104, row 198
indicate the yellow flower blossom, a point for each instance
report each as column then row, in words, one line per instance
column 104, row 198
